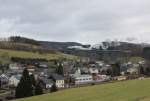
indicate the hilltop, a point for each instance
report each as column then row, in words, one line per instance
column 134, row 90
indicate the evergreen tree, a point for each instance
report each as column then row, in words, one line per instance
column 116, row 69
column 18, row 93
column 0, row 84
column 25, row 86
column 109, row 72
column 59, row 69
column 141, row 70
column 38, row 89
column 33, row 80
column 147, row 71
column 55, row 62
column 54, row 88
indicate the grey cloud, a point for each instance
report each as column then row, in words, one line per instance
column 87, row 21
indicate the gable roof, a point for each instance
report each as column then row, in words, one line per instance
column 48, row 81
column 57, row 77
column 4, row 77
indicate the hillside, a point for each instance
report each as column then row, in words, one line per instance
column 98, row 51
column 135, row 90
column 32, row 55
column 107, row 50
column 22, row 47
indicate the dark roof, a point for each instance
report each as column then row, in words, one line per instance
column 57, row 77
column 48, row 81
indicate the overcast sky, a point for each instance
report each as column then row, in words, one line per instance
column 86, row 21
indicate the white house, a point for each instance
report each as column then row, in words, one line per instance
column 93, row 70
column 82, row 79
column 14, row 80
column 4, row 79
column 59, row 81
column 44, row 64
column 132, row 70
column 78, row 72
column 100, row 63
column 14, row 66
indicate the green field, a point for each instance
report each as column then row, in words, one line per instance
column 134, row 90
column 23, row 54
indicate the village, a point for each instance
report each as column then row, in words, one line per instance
column 69, row 73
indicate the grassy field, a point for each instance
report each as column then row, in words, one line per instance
column 24, row 54
column 134, row 90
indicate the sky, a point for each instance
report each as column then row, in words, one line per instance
column 85, row 21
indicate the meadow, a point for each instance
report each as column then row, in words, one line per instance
column 132, row 90
column 34, row 55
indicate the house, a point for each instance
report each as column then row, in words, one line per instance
column 59, row 80
column 132, row 71
column 102, row 78
column 82, row 79
column 100, row 63
column 78, row 72
column 44, row 64
column 105, row 67
column 31, row 68
column 121, row 78
column 67, row 67
column 85, row 70
column 4, row 80
column 84, row 59
column 45, row 82
column 3, row 68
column 93, row 70
column 48, row 83
column 14, row 66
column 14, row 80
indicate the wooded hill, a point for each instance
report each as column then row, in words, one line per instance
column 112, row 52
